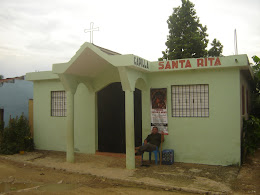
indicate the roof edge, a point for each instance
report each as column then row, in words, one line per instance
column 37, row 76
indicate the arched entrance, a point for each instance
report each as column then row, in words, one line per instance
column 111, row 118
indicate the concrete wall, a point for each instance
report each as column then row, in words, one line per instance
column 14, row 98
column 244, row 82
column 211, row 140
column 50, row 131
column 208, row 140
column 84, row 116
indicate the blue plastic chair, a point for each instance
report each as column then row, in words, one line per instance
column 156, row 152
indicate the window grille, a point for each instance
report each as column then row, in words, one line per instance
column 190, row 100
column 58, row 103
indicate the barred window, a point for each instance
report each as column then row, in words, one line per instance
column 190, row 100
column 58, row 103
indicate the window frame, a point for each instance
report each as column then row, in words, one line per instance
column 195, row 109
column 57, row 111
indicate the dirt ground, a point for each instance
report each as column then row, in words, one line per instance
column 248, row 179
column 46, row 172
column 15, row 178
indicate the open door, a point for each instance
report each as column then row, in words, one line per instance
column 111, row 118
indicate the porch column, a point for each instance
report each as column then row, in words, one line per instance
column 129, row 128
column 70, row 127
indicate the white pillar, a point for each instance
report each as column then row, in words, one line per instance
column 70, row 127
column 129, row 128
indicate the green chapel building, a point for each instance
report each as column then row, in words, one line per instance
column 101, row 101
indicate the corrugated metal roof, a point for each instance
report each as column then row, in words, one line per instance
column 11, row 79
column 107, row 51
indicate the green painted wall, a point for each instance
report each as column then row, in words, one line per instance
column 84, row 124
column 49, row 132
column 213, row 140
column 244, row 81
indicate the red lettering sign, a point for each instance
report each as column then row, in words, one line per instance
column 211, row 59
column 200, row 62
column 161, row 65
column 188, row 65
column 168, row 66
column 181, row 61
column 174, row 64
column 206, row 62
column 217, row 62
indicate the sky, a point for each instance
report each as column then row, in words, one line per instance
column 34, row 34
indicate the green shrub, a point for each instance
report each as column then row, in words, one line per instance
column 251, row 129
column 1, row 132
column 16, row 136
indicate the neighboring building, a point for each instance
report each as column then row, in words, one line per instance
column 100, row 100
column 14, row 98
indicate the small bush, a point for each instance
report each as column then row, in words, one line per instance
column 16, row 136
column 251, row 129
column 1, row 132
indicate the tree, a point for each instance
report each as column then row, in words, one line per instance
column 256, row 67
column 256, row 71
column 251, row 127
column 255, row 96
column 216, row 49
column 1, row 76
column 16, row 136
column 187, row 37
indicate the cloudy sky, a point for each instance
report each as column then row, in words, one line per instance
column 34, row 34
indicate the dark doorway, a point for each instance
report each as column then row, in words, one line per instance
column 138, row 116
column 111, row 118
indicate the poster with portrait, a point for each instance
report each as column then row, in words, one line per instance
column 159, row 109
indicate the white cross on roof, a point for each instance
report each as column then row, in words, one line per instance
column 91, row 31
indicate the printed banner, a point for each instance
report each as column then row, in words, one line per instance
column 159, row 109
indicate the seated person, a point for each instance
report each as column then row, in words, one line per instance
column 150, row 143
